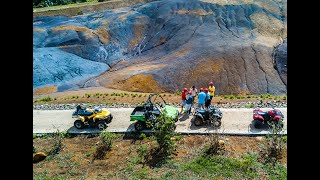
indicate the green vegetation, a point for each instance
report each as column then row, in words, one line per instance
column 250, row 105
column 104, row 145
column 164, row 132
column 48, row 3
column 57, row 138
column 46, row 99
column 244, row 167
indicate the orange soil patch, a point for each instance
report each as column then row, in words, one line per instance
column 38, row 30
column 198, row 12
column 124, row 17
column 102, row 33
column 72, row 27
column 139, row 29
column 45, row 90
column 114, row 75
column 139, row 83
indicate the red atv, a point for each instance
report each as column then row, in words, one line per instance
column 274, row 116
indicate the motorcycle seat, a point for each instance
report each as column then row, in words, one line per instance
column 262, row 113
column 201, row 111
column 85, row 113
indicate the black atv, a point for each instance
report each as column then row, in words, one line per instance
column 212, row 117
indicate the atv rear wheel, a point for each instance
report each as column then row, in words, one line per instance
column 197, row 121
column 78, row 124
column 101, row 125
column 139, row 125
column 257, row 124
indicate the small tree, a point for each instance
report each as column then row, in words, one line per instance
column 104, row 145
column 271, row 150
column 164, row 132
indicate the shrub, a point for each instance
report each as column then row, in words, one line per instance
column 215, row 146
column 142, row 153
column 46, row 99
column 142, row 136
column 164, row 131
column 250, row 105
column 57, row 143
column 271, row 149
column 104, row 145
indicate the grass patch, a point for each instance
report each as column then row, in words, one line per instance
column 235, row 168
column 46, row 99
column 250, row 105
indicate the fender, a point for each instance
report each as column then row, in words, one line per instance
column 81, row 118
column 258, row 117
column 200, row 116
column 277, row 118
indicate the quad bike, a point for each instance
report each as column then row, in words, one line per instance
column 274, row 116
column 97, row 117
column 212, row 116
column 146, row 115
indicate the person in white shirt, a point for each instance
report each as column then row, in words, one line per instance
column 194, row 92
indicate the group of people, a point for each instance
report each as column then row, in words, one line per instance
column 205, row 97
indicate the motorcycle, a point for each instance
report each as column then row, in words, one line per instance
column 261, row 118
column 212, row 116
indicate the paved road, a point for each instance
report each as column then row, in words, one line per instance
column 234, row 121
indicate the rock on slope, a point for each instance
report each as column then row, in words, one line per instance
column 176, row 44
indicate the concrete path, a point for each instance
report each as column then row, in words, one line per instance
column 235, row 121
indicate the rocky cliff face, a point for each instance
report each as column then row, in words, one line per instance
column 175, row 43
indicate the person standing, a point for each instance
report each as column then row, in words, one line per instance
column 183, row 98
column 211, row 91
column 189, row 102
column 207, row 99
column 201, row 99
column 194, row 92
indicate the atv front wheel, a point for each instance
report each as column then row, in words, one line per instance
column 216, row 123
column 257, row 124
column 78, row 124
column 139, row 126
column 101, row 125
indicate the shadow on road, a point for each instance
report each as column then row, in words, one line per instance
column 184, row 116
column 204, row 127
column 264, row 127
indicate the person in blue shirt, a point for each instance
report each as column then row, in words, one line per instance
column 208, row 99
column 201, row 99
column 189, row 102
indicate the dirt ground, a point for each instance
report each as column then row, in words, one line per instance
column 75, row 160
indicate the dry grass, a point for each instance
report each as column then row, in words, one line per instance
column 197, row 12
column 45, row 90
column 139, row 83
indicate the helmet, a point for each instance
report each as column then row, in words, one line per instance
column 201, row 89
column 185, row 89
column 211, row 83
column 206, row 90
